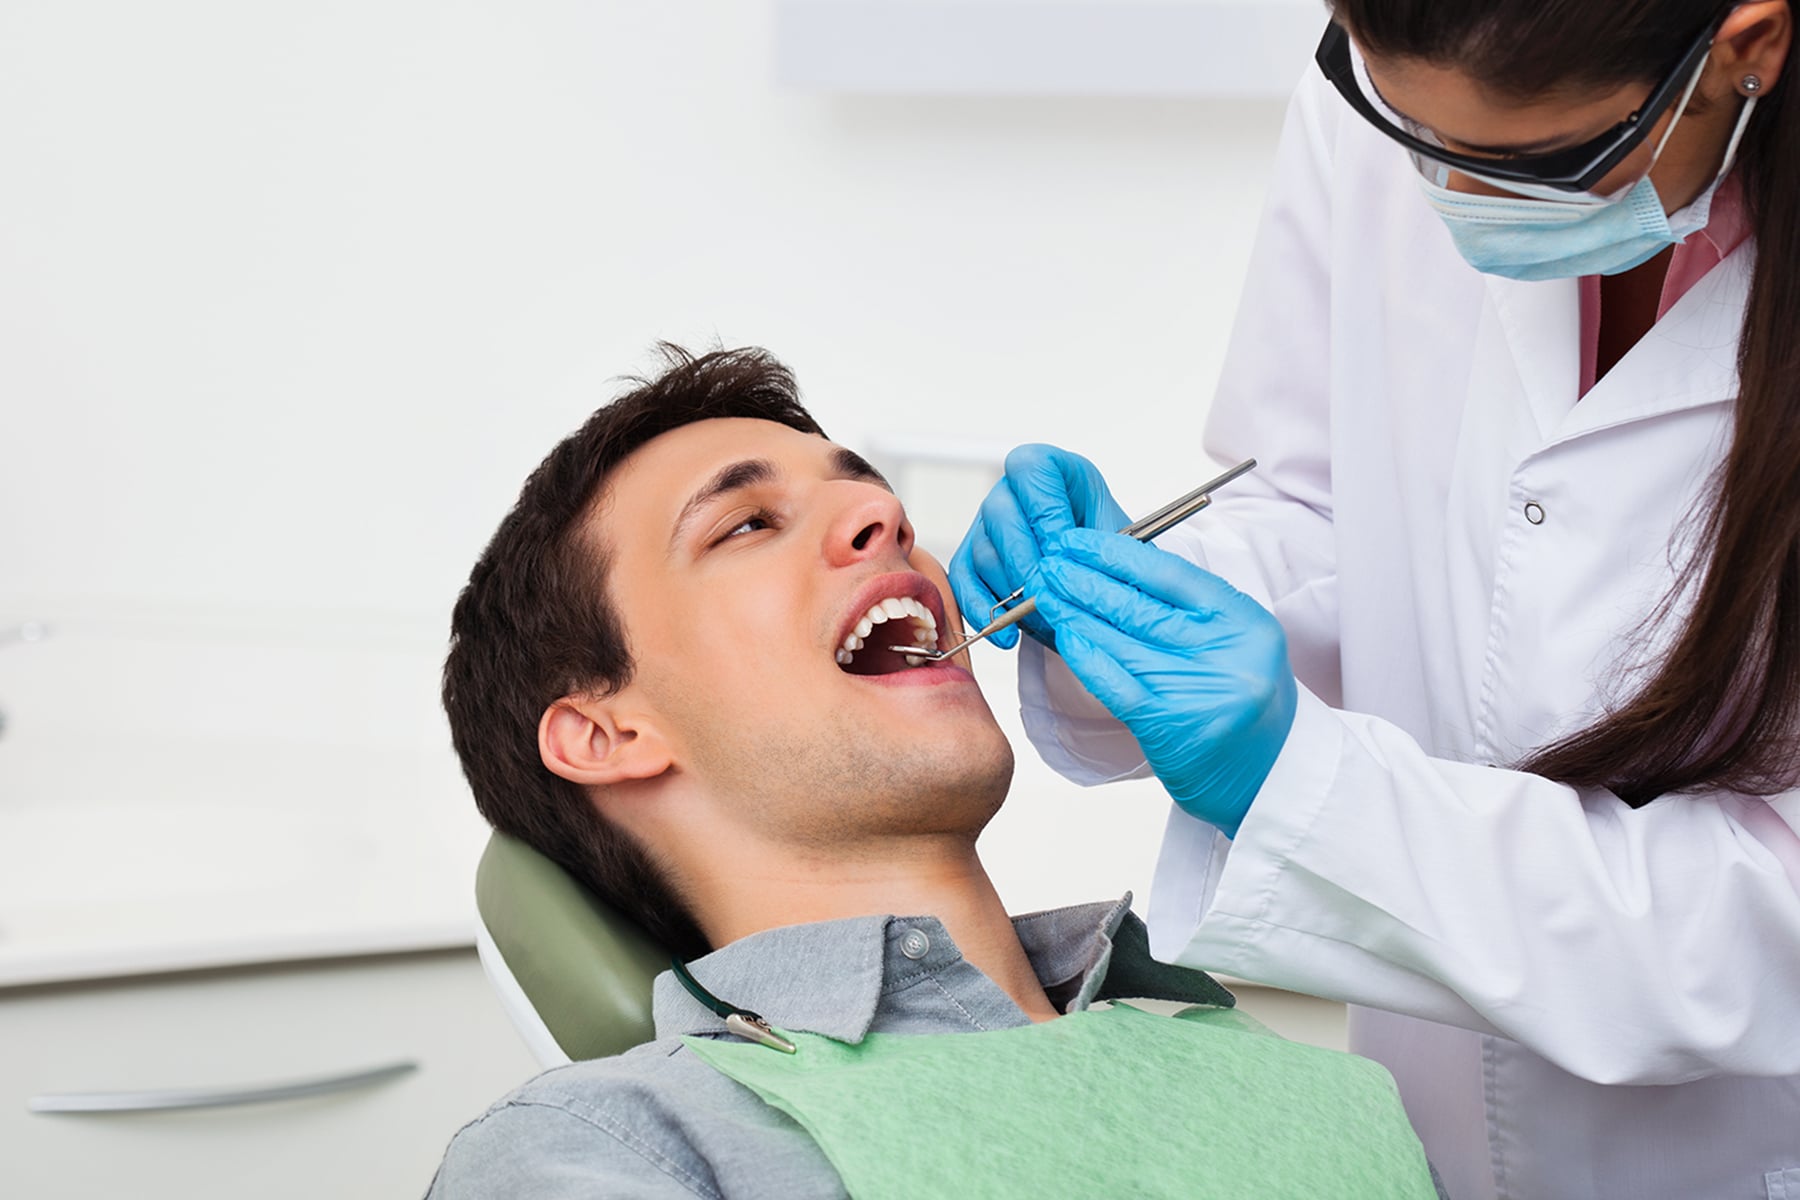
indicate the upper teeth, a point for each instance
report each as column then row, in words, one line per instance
column 882, row 611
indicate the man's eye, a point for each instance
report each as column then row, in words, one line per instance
column 750, row 524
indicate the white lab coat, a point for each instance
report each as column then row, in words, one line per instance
column 1598, row 1002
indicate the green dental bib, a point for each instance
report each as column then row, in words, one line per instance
column 1103, row 1103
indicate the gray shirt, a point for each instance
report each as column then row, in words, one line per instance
column 656, row 1121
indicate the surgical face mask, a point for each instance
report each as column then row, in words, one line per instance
column 1523, row 238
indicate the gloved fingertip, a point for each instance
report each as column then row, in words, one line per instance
column 1025, row 456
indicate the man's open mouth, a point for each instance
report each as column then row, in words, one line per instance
column 894, row 621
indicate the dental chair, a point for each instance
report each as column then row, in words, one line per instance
column 573, row 973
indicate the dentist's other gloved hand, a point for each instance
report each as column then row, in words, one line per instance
column 1045, row 493
column 1195, row 669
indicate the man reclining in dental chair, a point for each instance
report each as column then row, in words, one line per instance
column 670, row 673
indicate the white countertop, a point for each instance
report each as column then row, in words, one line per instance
column 154, row 883
column 120, row 957
column 171, row 803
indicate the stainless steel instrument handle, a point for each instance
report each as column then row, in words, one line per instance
column 167, row 1098
column 1176, row 511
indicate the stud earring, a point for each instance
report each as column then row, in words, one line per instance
column 1750, row 85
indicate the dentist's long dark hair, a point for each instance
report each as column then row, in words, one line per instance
column 1722, row 709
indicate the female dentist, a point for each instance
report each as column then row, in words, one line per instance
column 1520, row 356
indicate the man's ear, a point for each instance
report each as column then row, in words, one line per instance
column 591, row 741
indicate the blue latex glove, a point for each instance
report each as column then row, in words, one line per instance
column 1045, row 493
column 1195, row 669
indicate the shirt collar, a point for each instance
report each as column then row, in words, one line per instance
column 829, row 977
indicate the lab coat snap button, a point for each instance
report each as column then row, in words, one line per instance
column 914, row 944
column 1534, row 512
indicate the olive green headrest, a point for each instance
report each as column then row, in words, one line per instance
column 586, row 969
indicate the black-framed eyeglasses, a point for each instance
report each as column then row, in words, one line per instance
column 1576, row 169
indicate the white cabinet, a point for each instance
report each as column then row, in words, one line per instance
column 242, row 1028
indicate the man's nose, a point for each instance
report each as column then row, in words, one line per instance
column 872, row 524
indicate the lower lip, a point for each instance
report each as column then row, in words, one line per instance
column 929, row 675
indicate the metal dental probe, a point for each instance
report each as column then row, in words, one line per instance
column 1143, row 529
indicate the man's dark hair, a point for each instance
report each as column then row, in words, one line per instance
column 535, row 623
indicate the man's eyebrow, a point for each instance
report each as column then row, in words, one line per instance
column 850, row 465
column 729, row 478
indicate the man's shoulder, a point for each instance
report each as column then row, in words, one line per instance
column 653, row 1065
column 630, row 1097
column 656, row 1118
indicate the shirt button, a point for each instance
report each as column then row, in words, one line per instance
column 1534, row 512
column 914, row 944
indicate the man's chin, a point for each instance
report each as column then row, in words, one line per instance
column 934, row 777
column 971, row 776
column 958, row 805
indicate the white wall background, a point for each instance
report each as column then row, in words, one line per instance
column 292, row 296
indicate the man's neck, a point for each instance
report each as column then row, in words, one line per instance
column 925, row 877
